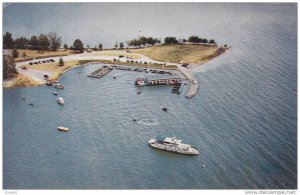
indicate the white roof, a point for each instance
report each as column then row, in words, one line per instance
column 172, row 140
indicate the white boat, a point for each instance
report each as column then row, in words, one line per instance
column 173, row 145
column 61, row 128
column 58, row 86
column 60, row 100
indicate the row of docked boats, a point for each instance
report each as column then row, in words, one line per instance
column 55, row 85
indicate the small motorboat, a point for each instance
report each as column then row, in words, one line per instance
column 23, row 97
column 48, row 83
column 60, row 100
column 58, row 86
column 31, row 104
column 61, row 128
column 135, row 120
column 54, row 93
column 164, row 109
column 139, row 92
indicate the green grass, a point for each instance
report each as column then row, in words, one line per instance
column 180, row 52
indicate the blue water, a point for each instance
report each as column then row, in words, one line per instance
column 243, row 119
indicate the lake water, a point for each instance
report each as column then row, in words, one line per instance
column 243, row 119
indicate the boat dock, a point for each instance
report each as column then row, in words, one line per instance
column 177, row 88
column 101, row 72
column 104, row 70
column 157, row 81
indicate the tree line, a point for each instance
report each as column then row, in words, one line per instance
column 149, row 41
column 43, row 42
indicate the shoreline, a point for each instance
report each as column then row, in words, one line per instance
column 31, row 79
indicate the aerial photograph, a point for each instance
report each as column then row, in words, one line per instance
column 149, row 96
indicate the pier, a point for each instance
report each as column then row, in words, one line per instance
column 193, row 83
column 177, row 88
column 101, row 72
column 104, row 70
column 157, row 81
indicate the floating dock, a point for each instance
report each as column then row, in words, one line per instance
column 177, row 88
column 157, row 81
column 101, row 72
column 104, row 70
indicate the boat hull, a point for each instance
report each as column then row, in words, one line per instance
column 192, row 151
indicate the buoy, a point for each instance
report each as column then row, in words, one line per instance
column 165, row 109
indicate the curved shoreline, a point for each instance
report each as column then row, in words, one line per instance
column 37, row 75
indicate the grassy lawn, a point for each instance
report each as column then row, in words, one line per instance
column 114, row 53
column 176, row 53
column 35, row 53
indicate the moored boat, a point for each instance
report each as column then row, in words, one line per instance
column 58, row 86
column 60, row 100
column 61, row 128
column 54, row 93
column 48, row 83
column 173, row 145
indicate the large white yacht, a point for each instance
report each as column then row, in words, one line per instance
column 172, row 145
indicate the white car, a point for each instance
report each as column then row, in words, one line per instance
column 194, row 82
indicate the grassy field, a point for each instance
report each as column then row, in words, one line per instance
column 176, row 53
column 35, row 53
column 114, row 53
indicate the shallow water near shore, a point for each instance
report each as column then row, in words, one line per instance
column 243, row 119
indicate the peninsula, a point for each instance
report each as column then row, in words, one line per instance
column 36, row 68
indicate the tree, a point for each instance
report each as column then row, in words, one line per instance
column 54, row 41
column 121, row 45
column 170, row 40
column 134, row 43
column 8, row 42
column 33, row 42
column 204, row 41
column 100, row 46
column 15, row 53
column 78, row 46
column 24, row 55
column 212, row 41
column 143, row 40
column 21, row 43
column 184, row 40
column 9, row 67
column 43, row 43
column 194, row 39
column 66, row 46
column 116, row 45
column 61, row 61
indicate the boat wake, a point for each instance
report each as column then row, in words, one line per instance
column 148, row 122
